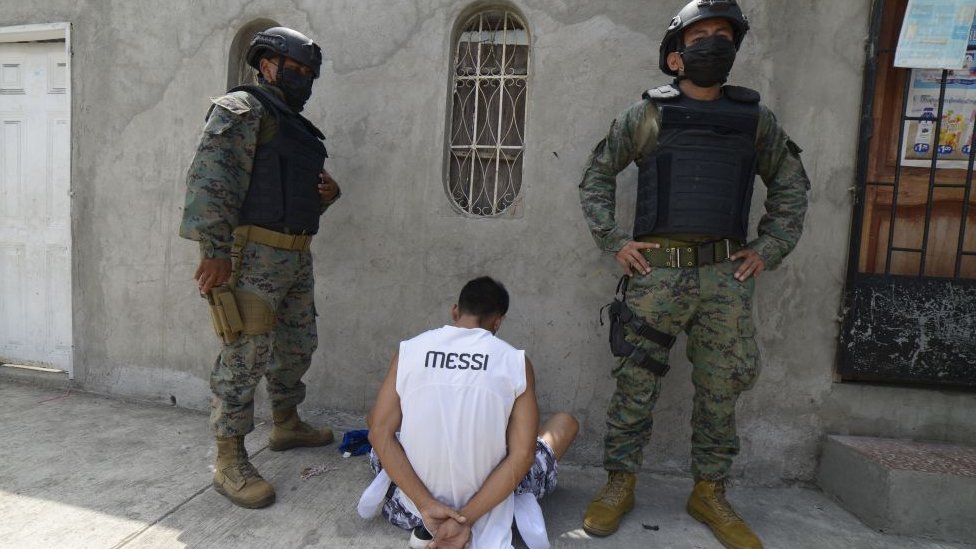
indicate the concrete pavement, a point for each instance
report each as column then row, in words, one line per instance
column 83, row 471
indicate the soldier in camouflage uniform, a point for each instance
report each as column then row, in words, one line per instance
column 698, row 146
column 255, row 191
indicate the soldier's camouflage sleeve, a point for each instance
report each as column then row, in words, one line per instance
column 786, row 197
column 219, row 175
column 598, row 188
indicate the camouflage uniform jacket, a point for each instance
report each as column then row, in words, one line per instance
column 220, row 174
column 779, row 166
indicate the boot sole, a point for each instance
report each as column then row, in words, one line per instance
column 260, row 504
column 594, row 531
column 701, row 518
column 282, row 446
column 597, row 532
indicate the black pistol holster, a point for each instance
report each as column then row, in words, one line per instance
column 622, row 319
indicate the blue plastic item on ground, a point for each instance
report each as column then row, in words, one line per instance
column 355, row 443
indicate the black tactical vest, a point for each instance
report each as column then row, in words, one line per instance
column 699, row 178
column 283, row 195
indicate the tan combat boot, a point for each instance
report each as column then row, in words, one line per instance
column 289, row 431
column 236, row 479
column 707, row 504
column 616, row 499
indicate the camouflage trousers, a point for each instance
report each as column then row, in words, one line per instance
column 283, row 280
column 715, row 310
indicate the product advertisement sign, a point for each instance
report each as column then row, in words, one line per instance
column 934, row 34
column 958, row 117
column 958, row 114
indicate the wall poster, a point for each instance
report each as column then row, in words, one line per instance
column 958, row 114
column 933, row 34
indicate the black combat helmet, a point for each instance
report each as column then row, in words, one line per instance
column 287, row 42
column 695, row 11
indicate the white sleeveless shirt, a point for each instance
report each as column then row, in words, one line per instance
column 457, row 387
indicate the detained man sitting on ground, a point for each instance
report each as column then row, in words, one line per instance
column 456, row 429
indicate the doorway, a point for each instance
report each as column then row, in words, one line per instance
column 35, row 199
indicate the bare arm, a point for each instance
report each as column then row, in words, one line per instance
column 523, row 428
column 384, row 421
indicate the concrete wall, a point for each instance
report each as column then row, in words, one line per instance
column 392, row 254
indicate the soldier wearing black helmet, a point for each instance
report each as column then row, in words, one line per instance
column 255, row 191
column 698, row 145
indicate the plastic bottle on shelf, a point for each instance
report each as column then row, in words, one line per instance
column 926, row 125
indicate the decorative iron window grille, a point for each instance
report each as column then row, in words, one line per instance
column 487, row 139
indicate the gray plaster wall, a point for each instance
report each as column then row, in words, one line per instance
column 392, row 254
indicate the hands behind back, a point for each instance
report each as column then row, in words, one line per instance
column 451, row 535
column 448, row 527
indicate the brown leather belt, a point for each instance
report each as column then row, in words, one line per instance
column 684, row 253
column 253, row 233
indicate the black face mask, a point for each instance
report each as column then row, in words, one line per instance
column 708, row 61
column 296, row 87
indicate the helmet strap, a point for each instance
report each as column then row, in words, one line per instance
column 281, row 67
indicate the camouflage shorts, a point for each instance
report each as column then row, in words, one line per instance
column 540, row 480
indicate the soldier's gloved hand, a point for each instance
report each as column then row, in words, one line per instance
column 328, row 188
column 752, row 266
column 212, row 272
column 630, row 257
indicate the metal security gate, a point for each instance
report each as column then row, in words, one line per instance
column 910, row 301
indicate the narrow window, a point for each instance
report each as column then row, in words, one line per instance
column 487, row 138
column 238, row 71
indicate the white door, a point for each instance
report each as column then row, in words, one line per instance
column 35, row 256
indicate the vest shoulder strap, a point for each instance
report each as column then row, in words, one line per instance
column 269, row 101
column 269, row 117
column 741, row 94
column 272, row 105
column 277, row 107
column 662, row 93
column 645, row 138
